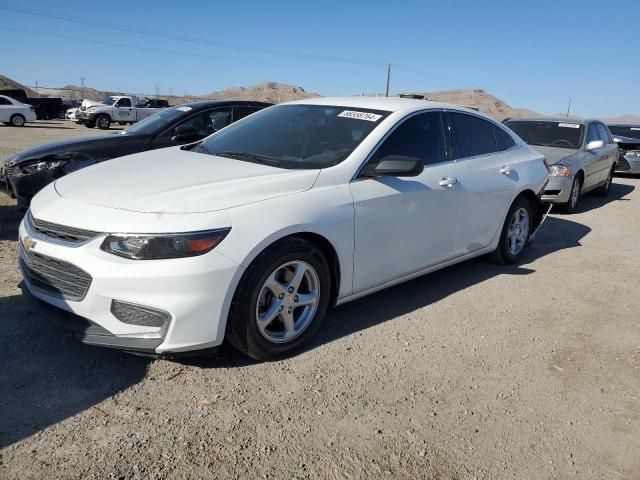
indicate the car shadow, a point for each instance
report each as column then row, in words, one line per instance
column 10, row 218
column 47, row 376
column 616, row 193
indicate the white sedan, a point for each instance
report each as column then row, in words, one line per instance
column 255, row 232
column 15, row 113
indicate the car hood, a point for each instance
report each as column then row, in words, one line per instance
column 554, row 155
column 95, row 146
column 627, row 143
column 172, row 180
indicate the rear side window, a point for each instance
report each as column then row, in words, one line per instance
column 473, row 136
column 503, row 139
column 4, row 101
column 421, row 136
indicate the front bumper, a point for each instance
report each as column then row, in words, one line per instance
column 557, row 190
column 193, row 291
column 84, row 117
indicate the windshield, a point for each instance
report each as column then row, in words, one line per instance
column 157, row 121
column 631, row 132
column 295, row 136
column 549, row 134
column 108, row 101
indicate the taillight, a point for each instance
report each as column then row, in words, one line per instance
column 546, row 164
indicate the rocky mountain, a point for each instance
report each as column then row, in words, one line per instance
column 479, row 99
column 266, row 92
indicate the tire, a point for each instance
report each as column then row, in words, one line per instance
column 45, row 114
column 275, row 266
column 574, row 196
column 510, row 251
column 122, row 123
column 603, row 190
column 89, row 124
column 17, row 120
column 103, row 122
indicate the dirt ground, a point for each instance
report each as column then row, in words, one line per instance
column 474, row 372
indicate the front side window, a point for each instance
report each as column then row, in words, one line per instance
column 472, row 136
column 420, row 136
column 246, row 110
column 208, row 122
column 295, row 136
column 603, row 133
column 592, row 133
column 546, row 133
column 124, row 102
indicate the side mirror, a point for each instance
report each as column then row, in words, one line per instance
column 397, row 166
column 594, row 145
column 184, row 133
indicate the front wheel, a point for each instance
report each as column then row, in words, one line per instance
column 280, row 301
column 103, row 122
column 515, row 233
column 89, row 124
column 574, row 196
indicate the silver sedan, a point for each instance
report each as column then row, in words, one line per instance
column 581, row 153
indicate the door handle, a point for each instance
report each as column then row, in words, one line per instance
column 448, row 182
column 506, row 170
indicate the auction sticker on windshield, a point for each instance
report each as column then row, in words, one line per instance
column 569, row 125
column 369, row 117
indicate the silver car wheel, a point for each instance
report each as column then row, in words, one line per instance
column 18, row 121
column 575, row 193
column 518, row 231
column 288, row 301
column 103, row 123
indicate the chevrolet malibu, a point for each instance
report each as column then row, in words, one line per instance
column 253, row 233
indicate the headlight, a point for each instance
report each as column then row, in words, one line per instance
column 634, row 155
column 38, row 166
column 559, row 171
column 11, row 161
column 156, row 247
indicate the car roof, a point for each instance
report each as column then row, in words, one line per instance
column 579, row 121
column 221, row 103
column 626, row 125
column 389, row 104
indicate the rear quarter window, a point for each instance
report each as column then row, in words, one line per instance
column 503, row 139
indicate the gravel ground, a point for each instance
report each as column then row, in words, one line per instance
column 474, row 372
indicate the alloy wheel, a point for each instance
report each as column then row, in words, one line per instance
column 288, row 301
column 575, row 193
column 518, row 232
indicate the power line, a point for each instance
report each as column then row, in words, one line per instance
column 183, row 38
column 173, row 52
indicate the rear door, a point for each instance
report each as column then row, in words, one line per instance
column 404, row 224
column 6, row 108
column 487, row 176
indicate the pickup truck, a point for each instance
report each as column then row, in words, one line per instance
column 45, row 108
column 119, row 109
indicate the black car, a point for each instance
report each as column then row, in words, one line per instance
column 26, row 172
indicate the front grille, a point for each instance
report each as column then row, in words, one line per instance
column 60, row 232
column 54, row 277
column 623, row 165
column 551, row 192
column 138, row 315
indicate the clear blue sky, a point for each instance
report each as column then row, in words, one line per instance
column 531, row 54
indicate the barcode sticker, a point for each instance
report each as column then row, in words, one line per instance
column 369, row 117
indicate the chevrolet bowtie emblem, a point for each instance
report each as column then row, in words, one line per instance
column 28, row 243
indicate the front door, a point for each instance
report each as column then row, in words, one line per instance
column 123, row 111
column 405, row 224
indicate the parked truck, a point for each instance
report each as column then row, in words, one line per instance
column 46, row 108
column 120, row 109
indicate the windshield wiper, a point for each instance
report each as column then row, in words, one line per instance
column 251, row 157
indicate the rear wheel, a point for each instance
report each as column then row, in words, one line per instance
column 515, row 233
column 280, row 301
column 603, row 190
column 17, row 120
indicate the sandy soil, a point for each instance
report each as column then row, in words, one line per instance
column 474, row 372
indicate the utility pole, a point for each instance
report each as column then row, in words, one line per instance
column 569, row 107
column 82, row 79
column 388, row 79
column 37, row 90
column 157, row 91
